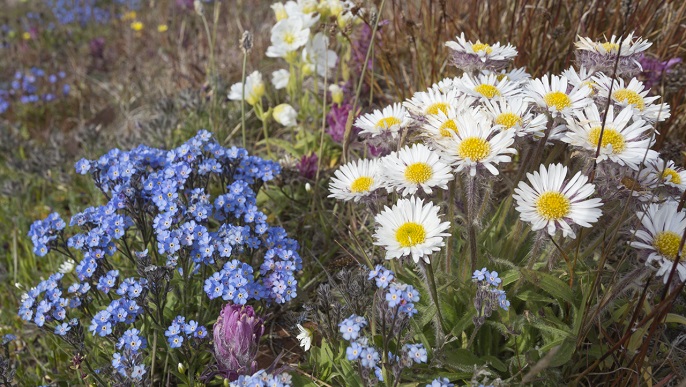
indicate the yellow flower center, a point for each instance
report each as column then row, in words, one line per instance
column 488, row 91
column 447, row 128
column 557, row 99
column 667, row 244
column 478, row 46
column 289, row 38
column 361, row 184
column 474, row 148
column 433, row 109
column 609, row 47
column 673, row 176
column 552, row 205
column 629, row 96
column 388, row 122
column 255, row 94
column 410, row 234
column 508, row 120
column 610, row 137
column 418, row 173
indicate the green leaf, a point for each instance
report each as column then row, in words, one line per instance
column 283, row 144
column 550, row 284
column 675, row 318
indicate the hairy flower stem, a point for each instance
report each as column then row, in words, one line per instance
column 245, row 63
column 539, row 240
column 431, row 285
column 472, row 214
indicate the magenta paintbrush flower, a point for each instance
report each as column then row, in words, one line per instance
column 236, row 339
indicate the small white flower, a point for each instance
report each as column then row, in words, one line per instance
column 477, row 143
column 317, row 54
column 254, row 89
column 515, row 114
column 551, row 93
column 621, row 143
column 287, row 36
column 550, row 202
column 517, row 76
column 285, row 115
column 280, row 12
column 487, row 87
column 431, row 102
column 659, row 171
column 629, row 46
column 578, row 78
column 633, row 94
column 391, row 120
column 67, row 266
column 355, row 180
column 280, row 79
column 470, row 56
column 336, row 93
column 410, row 228
column 305, row 337
column 415, row 167
column 663, row 228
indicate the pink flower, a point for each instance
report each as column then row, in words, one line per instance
column 237, row 334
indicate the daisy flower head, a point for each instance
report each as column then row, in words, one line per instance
column 551, row 93
column 391, row 120
column 470, row 56
column 355, row 180
column 476, row 144
column 254, row 89
column 410, row 228
column 287, row 36
column 516, row 76
column 659, row 171
column 620, row 142
column 487, row 87
column 317, row 56
column 633, row 94
column 414, row 167
column 445, row 85
column 552, row 203
column 515, row 114
column 581, row 77
column 660, row 237
column 431, row 102
column 601, row 56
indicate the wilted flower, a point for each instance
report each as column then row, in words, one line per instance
column 237, row 334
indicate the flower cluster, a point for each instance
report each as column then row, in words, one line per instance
column 263, row 379
column 34, row 86
column 440, row 382
column 78, row 11
column 488, row 295
column 161, row 217
column 179, row 329
column 237, row 336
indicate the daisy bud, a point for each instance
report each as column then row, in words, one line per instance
column 285, row 115
column 237, row 334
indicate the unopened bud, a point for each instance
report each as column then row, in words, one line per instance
column 181, row 368
column 246, row 41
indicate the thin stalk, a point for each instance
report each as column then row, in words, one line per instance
column 428, row 272
column 472, row 207
column 245, row 63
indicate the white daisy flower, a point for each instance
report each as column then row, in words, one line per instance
column 582, row 77
column 287, row 36
column 659, row 171
column 515, row 114
column 415, row 167
column 391, row 120
column 280, row 79
column 317, row 55
column 477, row 143
column 410, row 228
column 633, row 94
column 285, row 115
column 305, row 337
column 254, row 89
column 516, row 76
column 487, row 86
column 445, row 85
column 663, row 228
column 428, row 103
column 355, row 180
column 551, row 93
column 621, row 143
column 610, row 55
column 553, row 203
column 472, row 56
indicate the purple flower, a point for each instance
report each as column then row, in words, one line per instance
column 308, row 166
column 336, row 119
column 236, row 339
column 654, row 69
column 97, row 47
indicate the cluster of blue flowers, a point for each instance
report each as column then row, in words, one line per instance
column 127, row 362
column 399, row 295
column 262, row 379
column 78, row 11
column 179, row 329
column 440, row 382
column 165, row 195
column 488, row 283
column 33, row 86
